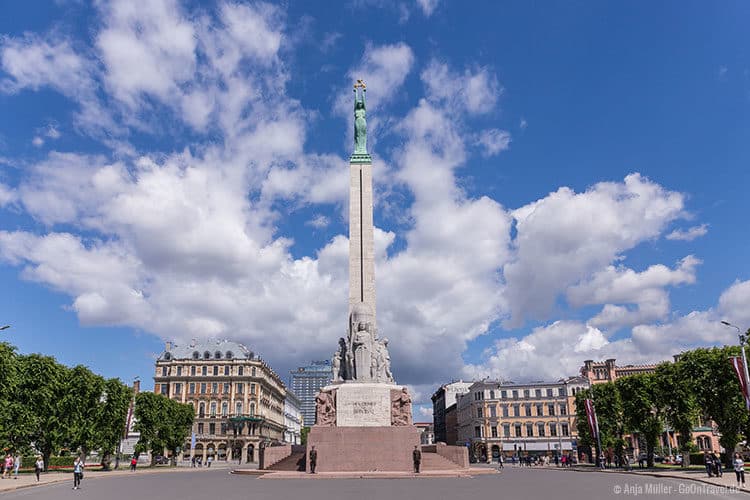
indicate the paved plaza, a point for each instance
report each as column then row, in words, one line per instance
column 513, row 483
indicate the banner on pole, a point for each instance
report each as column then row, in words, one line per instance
column 739, row 369
column 591, row 418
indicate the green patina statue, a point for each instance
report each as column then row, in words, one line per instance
column 360, row 121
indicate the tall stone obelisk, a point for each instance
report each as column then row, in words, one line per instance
column 361, row 231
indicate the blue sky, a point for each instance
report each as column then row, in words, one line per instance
column 555, row 182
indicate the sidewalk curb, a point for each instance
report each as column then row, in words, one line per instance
column 657, row 475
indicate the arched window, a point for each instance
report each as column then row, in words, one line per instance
column 206, row 355
column 224, row 409
column 240, row 370
column 252, row 409
column 196, row 355
column 229, row 355
column 253, row 371
column 213, row 408
column 167, row 356
column 201, row 409
column 238, row 408
column 217, row 355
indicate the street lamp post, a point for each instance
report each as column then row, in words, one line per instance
column 743, row 341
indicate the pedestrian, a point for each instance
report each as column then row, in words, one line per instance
column 708, row 461
column 193, row 460
column 313, row 459
column 38, row 467
column 717, row 466
column 16, row 465
column 416, row 455
column 7, row 465
column 739, row 470
column 208, row 462
column 500, row 461
column 133, row 463
column 77, row 473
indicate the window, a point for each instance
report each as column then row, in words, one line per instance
column 178, row 389
column 200, row 428
column 224, row 428
column 240, row 370
column 216, row 371
column 506, row 430
column 493, row 411
column 252, row 389
column 252, row 409
column 503, row 394
column 226, row 387
column 505, row 410
column 206, row 355
column 191, row 389
column 240, row 388
column 516, row 410
column 526, row 393
column 551, row 409
column 165, row 389
column 539, row 409
column 476, row 396
column 226, row 371
column 517, row 429
column 192, row 371
column 163, row 371
column 213, row 408
column 515, row 394
column 229, row 355
column 203, row 388
column 204, row 371
column 564, row 429
column 479, row 413
column 492, row 394
column 215, row 388
column 529, row 430
column 549, row 393
column 540, row 429
column 224, row 409
column 477, row 432
column 493, row 431
column 238, row 408
column 563, row 410
column 212, row 428
column 196, row 355
column 527, row 408
column 552, row 429
column 538, row 393
column 179, row 371
column 202, row 409
column 253, row 371
column 217, row 355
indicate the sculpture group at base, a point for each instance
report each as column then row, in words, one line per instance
column 362, row 356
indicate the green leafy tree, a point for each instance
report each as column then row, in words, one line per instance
column 111, row 418
column 82, row 399
column 178, row 426
column 677, row 400
column 609, row 413
column 717, row 391
column 641, row 410
column 162, row 422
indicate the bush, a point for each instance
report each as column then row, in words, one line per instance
column 61, row 461
column 697, row 459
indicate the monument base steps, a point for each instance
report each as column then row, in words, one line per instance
column 294, row 462
column 349, row 449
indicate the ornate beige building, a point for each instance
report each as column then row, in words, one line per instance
column 238, row 398
column 518, row 419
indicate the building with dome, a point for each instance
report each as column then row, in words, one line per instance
column 238, row 398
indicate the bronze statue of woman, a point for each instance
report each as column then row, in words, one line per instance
column 360, row 122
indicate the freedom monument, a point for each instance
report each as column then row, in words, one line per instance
column 363, row 419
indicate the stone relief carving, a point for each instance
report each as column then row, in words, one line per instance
column 325, row 408
column 400, row 407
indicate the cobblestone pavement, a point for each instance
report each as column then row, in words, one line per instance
column 515, row 483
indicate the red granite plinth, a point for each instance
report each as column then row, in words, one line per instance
column 349, row 449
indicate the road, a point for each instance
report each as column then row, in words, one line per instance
column 514, row 483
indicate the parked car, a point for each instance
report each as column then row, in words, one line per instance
column 161, row 460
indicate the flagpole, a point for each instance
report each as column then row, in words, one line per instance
column 742, row 348
column 598, row 434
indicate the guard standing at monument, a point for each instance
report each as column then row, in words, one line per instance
column 313, row 459
column 417, row 456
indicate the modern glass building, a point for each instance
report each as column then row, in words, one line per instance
column 306, row 381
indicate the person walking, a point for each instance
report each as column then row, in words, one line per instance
column 416, row 456
column 77, row 473
column 7, row 465
column 313, row 459
column 717, row 465
column 133, row 463
column 708, row 461
column 38, row 467
column 208, row 462
column 500, row 461
column 16, row 465
column 739, row 470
